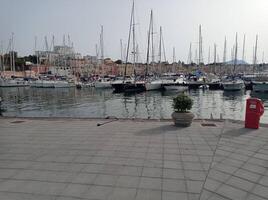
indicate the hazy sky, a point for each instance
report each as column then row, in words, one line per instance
column 81, row 19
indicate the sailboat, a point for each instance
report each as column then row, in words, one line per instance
column 130, row 84
column 13, row 81
column 260, row 84
column 234, row 83
column 102, row 82
column 153, row 83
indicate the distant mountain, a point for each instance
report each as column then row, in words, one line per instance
column 239, row 62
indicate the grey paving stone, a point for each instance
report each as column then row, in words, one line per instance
column 112, row 161
column 128, row 181
column 255, row 197
column 173, row 173
column 152, row 172
column 194, row 186
column 241, row 173
column 255, row 168
column 231, row 192
column 195, row 175
column 261, row 191
column 122, row 194
column 150, row 183
column 83, row 178
column 21, row 196
column 106, row 180
column 240, row 183
column 174, row 185
column 264, row 181
column 172, row 164
column 143, row 194
column 192, row 166
column 98, row 192
column 7, row 173
column 131, row 171
column 174, row 196
column 75, row 190
column 48, row 176
column 212, row 185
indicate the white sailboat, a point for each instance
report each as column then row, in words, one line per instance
column 178, row 84
column 152, row 84
column 13, row 81
column 261, row 81
column 234, row 84
column 103, row 82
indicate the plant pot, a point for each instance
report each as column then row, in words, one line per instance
column 182, row 119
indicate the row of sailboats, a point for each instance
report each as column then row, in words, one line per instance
column 151, row 82
column 13, row 81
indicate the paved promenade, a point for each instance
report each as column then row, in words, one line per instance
column 71, row 159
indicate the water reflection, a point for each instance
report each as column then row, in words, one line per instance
column 89, row 102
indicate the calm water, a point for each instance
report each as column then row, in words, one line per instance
column 90, row 102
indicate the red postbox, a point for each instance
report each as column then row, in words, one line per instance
column 254, row 111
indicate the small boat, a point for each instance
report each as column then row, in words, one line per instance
column 153, row 85
column 13, row 82
column 103, row 83
column 259, row 86
column 178, row 84
column 80, row 85
column 233, row 85
column 61, row 84
column 204, row 87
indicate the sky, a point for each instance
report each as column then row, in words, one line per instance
column 81, row 19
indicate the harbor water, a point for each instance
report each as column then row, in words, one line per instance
column 94, row 103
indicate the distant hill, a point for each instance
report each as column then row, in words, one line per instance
column 239, row 62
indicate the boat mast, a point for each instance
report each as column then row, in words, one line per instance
column 121, row 49
column 208, row 54
column 128, row 44
column 244, row 43
column 174, row 59
column 102, row 45
column 160, row 50
column 255, row 54
column 97, row 58
column 36, row 54
column 101, row 50
column 200, row 59
column 134, row 44
column 2, row 59
column 215, row 56
column 235, row 54
column 190, row 54
column 152, row 38
column 224, row 51
column 13, row 55
column 148, row 47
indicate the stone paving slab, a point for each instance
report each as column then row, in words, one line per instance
column 75, row 159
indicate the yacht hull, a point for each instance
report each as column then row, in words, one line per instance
column 260, row 86
column 233, row 86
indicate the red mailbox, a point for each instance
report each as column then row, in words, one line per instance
column 254, row 111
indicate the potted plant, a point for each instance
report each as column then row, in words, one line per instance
column 181, row 115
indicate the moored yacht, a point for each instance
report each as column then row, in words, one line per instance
column 153, row 84
column 103, row 83
column 233, row 85
column 13, row 82
column 175, row 84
